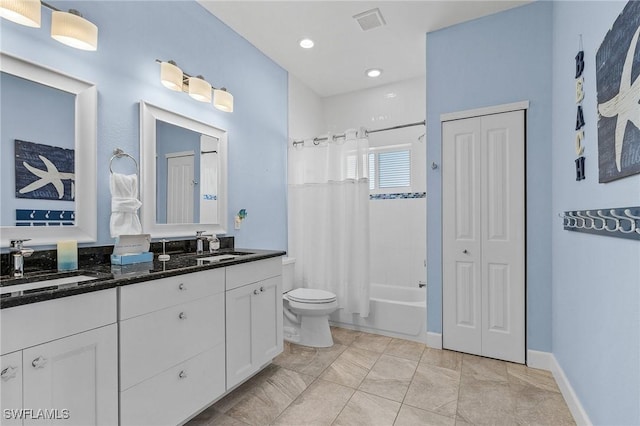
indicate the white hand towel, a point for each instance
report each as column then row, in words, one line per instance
column 124, row 205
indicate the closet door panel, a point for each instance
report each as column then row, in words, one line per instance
column 502, row 212
column 462, row 326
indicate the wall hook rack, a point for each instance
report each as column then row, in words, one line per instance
column 621, row 222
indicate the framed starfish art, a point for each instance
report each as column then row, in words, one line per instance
column 618, row 84
column 44, row 172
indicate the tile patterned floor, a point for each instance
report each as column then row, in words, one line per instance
column 366, row 379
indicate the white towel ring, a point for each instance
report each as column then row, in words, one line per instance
column 118, row 153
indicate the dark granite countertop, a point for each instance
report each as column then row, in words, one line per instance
column 111, row 276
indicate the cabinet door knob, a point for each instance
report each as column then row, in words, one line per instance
column 182, row 286
column 39, row 362
column 182, row 375
column 261, row 289
column 182, row 315
column 256, row 291
column 465, row 251
column 9, row 373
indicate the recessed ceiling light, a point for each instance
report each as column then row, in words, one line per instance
column 306, row 43
column 373, row 72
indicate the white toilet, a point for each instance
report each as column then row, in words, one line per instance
column 306, row 311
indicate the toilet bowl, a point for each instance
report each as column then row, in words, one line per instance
column 306, row 312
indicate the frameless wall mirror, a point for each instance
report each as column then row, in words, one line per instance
column 48, row 155
column 184, row 174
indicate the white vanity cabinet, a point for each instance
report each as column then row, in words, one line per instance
column 172, row 347
column 65, row 358
column 71, row 375
column 253, row 317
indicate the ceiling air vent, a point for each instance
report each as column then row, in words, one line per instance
column 370, row 19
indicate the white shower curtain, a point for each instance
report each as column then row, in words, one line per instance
column 329, row 218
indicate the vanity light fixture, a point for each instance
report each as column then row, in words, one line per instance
column 72, row 29
column 173, row 78
column 223, row 100
column 23, row 12
column 199, row 89
column 69, row 28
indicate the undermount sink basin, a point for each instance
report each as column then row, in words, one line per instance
column 55, row 283
column 217, row 258
column 221, row 257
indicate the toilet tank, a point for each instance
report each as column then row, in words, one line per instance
column 288, row 265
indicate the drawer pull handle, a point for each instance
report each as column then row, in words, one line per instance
column 261, row 289
column 182, row 286
column 182, row 375
column 182, row 315
column 9, row 373
column 39, row 362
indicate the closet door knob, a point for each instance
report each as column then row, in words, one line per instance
column 182, row 287
column 465, row 251
column 182, row 315
column 261, row 289
column 256, row 291
column 182, row 375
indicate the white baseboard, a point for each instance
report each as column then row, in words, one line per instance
column 434, row 340
column 540, row 360
column 546, row 361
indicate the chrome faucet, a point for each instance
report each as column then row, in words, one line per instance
column 200, row 238
column 19, row 253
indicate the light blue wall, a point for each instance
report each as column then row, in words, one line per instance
column 55, row 127
column 596, row 279
column 132, row 35
column 498, row 59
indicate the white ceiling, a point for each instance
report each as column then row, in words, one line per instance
column 342, row 50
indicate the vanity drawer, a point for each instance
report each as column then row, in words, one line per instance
column 153, row 342
column 149, row 296
column 29, row 325
column 176, row 394
column 248, row 273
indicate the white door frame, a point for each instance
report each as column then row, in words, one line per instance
column 496, row 109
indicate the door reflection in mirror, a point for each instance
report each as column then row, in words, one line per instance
column 186, row 175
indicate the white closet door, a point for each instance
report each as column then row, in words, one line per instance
column 503, row 194
column 180, row 188
column 461, row 236
column 483, row 236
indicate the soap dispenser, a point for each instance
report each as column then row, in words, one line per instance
column 214, row 243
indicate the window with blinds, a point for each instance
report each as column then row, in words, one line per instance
column 389, row 169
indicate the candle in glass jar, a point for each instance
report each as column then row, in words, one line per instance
column 67, row 255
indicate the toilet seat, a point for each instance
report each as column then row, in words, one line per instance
column 311, row 295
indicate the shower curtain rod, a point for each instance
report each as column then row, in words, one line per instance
column 317, row 140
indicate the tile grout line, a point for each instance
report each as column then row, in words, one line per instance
column 455, row 417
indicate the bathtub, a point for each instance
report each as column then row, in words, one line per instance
column 394, row 311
